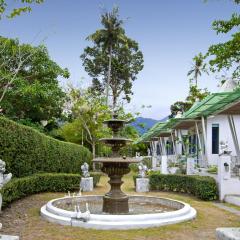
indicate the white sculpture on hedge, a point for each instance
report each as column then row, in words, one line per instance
column 4, row 179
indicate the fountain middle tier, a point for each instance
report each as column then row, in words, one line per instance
column 115, row 201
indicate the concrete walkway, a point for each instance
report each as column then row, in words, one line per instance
column 229, row 209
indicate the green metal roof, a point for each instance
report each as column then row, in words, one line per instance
column 212, row 104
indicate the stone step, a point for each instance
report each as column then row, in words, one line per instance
column 228, row 233
column 232, row 199
column 8, row 237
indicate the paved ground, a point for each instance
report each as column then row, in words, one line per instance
column 227, row 208
column 23, row 219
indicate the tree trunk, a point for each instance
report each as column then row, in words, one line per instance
column 94, row 149
column 109, row 74
column 94, row 154
column 114, row 100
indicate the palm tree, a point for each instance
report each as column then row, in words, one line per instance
column 198, row 68
column 109, row 37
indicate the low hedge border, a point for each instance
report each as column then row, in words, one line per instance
column 202, row 187
column 18, row 188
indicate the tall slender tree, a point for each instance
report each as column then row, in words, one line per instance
column 108, row 37
column 114, row 60
column 198, row 67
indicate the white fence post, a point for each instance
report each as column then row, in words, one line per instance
column 190, row 166
column 164, row 165
column 227, row 184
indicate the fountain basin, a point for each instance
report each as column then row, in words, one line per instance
column 169, row 212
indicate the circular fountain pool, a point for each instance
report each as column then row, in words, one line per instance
column 145, row 211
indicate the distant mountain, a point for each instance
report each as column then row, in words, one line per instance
column 146, row 122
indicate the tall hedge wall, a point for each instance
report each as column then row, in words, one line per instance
column 26, row 151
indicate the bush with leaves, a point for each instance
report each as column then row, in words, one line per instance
column 202, row 187
column 45, row 182
column 27, row 151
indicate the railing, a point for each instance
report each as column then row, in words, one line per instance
column 235, row 166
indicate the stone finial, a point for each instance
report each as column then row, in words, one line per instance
column 85, row 170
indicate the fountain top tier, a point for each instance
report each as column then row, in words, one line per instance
column 116, row 142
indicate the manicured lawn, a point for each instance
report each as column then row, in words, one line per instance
column 23, row 219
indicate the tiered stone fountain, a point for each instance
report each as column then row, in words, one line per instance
column 115, row 201
column 116, row 210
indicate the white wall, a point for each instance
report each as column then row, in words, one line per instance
column 224, row 135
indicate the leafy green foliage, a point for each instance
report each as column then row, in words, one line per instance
column 29, row 86
column 195, row 94
column 24, row 6
column 114, row 60
column 213, row 169
column 226, row 56
column 18, row 188
column 199, row 66
column 88, row 112
column 204, row 188
column 26, row 151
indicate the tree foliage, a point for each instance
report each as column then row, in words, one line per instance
column 24, row 6
column 29, row 82
column 199, row 67
column 195, row 94
column 88, row 112
column 114, row 60
column 226, row 56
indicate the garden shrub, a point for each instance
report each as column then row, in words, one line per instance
column 202, row 187
column 27, row 151
column 46, row 182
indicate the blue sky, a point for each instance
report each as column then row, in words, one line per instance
column 169, row 34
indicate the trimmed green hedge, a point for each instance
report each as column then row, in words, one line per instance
column 204, row 188
column 46, row 182
column 27, row 151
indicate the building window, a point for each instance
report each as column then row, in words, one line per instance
column 215, row 139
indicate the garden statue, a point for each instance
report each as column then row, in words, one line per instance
column 224, row 148
column 4, row 178
column 149, row 152
column 142, row 169
column 85, row 171
column 85, row 216
column 86, row 184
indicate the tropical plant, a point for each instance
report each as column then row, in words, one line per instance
column 114, row 60
column 198, row 67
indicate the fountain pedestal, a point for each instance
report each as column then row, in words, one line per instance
column 115, row 201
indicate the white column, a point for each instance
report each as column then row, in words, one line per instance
column 234, row 135
column 205, row 139
column 199, row 141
